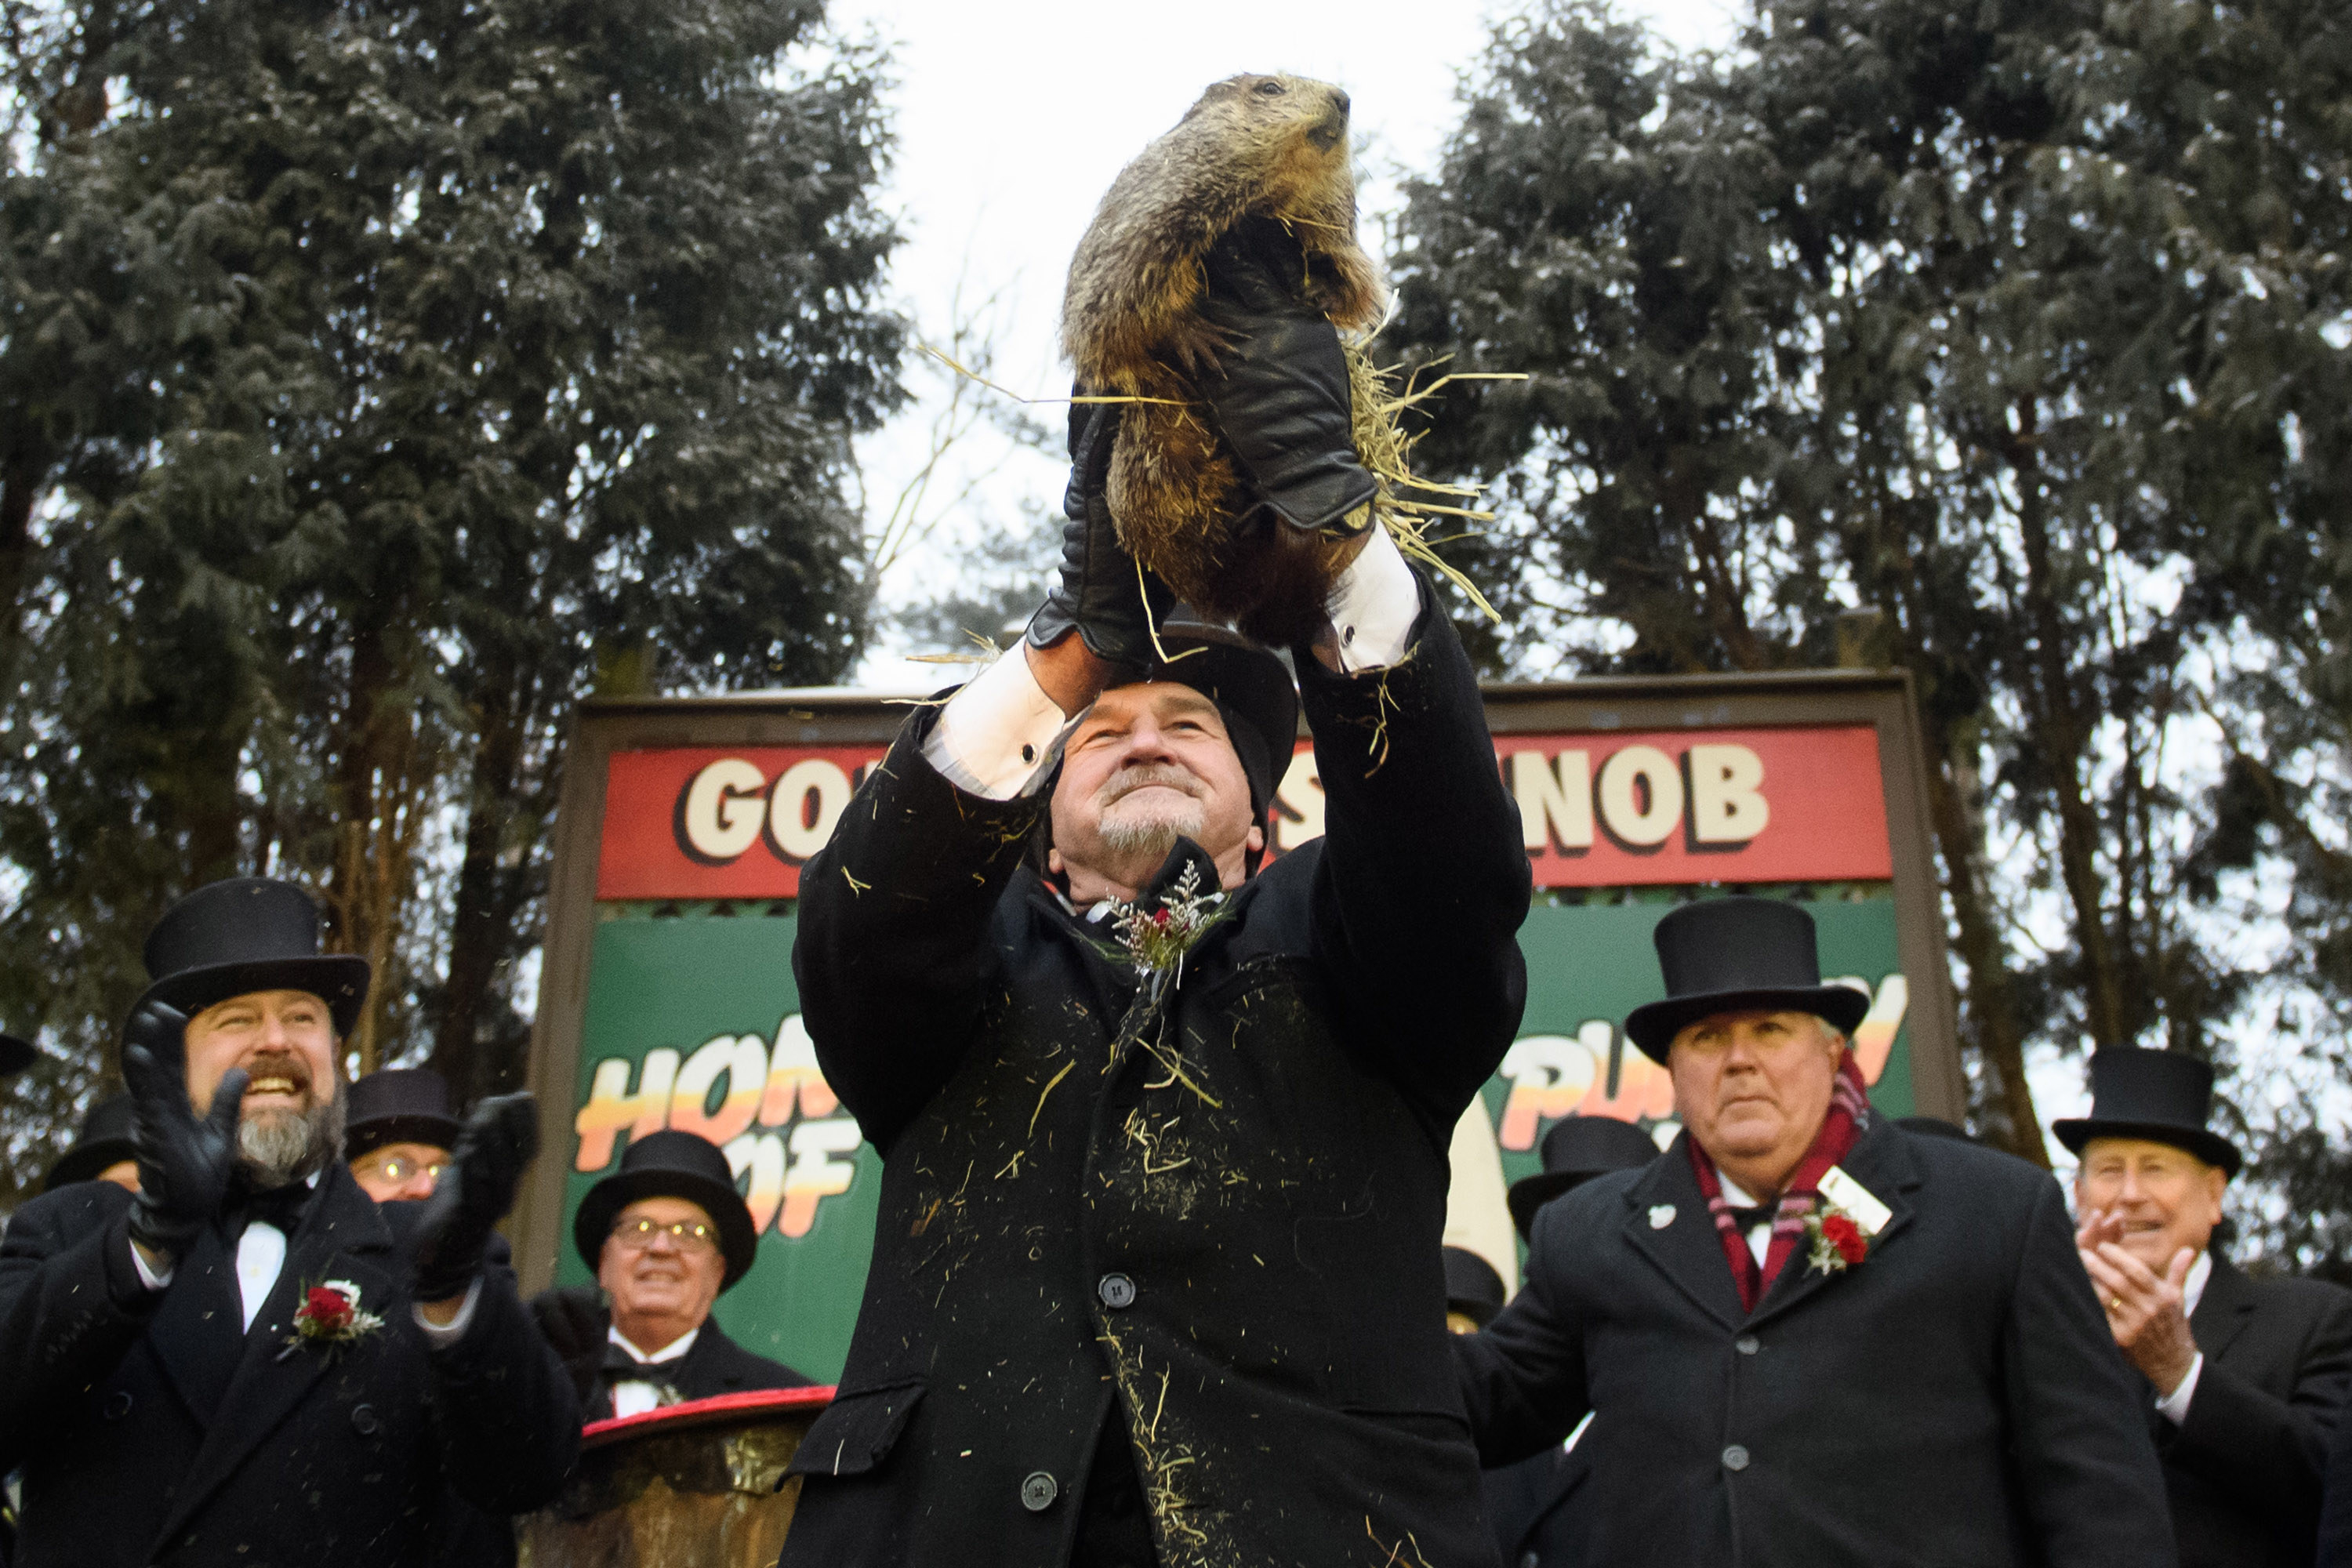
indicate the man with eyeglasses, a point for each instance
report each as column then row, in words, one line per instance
column 667, row 1234
column 398, row 1133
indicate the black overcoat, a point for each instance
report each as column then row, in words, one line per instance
column 1233, row 1231
column 1536, row 1507
column 1953, row 1400
column 154, row 1432
column 2245, row 1469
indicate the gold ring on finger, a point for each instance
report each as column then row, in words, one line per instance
column 2115, row 1303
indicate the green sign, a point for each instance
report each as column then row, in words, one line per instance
column 692, row 1021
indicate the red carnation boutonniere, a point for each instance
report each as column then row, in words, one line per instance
column 1838, row 1241
column 330, row 1317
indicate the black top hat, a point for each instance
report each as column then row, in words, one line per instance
column 670, row 1164
column 105, row 1139
column 1471, row 1285
column 16, row 1055
column 1933, row 1127
column 1727, row 955
column 249, row 933
column 1576, row 1150
column 398, row 1105
column 2161, row 1096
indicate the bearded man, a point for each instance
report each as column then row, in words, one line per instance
column 1156, row 1277
column 1806, row 1335
column 247, row 1361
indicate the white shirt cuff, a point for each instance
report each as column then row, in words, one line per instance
column 148, row 1276
column 998, row 737
column 441, row 1336
column 1373, row 607
column 2174, row 1407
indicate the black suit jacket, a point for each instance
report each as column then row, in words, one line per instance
column 152, row 1430
column 2245, row 1469
column 576, row 1324
column 1954, row 1399
column 1227, row 1238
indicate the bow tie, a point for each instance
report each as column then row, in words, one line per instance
column 620, row 1366
column 281, row 1206
column 1746, row 1220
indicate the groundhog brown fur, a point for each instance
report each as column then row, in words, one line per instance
column 1264, row 159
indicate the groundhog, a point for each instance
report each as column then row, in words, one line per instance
column 1261, row 162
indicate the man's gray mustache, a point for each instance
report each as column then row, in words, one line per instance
column 1128, row 780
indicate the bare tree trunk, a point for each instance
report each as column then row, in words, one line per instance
column 1990, row 1024
column 2063, row 735
column 489, row 889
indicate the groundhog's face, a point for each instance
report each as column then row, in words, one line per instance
column 1299, row 128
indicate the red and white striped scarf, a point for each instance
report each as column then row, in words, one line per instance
column 1849, row 1115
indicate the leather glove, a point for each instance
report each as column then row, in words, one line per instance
column 476, row 1189
column 184, row 1161
column 1102, row 594
column 1282, row 400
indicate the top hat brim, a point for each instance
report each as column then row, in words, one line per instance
column 83, row 1161
column 2207, row 1146
column 1653, row 1025
column 433, row 1132
column 721, row 1201
column 338, row 979
column 1529, row 1193
column 16, row 1055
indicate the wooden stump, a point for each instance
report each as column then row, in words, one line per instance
column 699, row 1485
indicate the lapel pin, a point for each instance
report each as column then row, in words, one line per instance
column 1661, row 1215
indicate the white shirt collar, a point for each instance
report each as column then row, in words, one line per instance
column 1737, row 1195
column 2192, row 1290
column 670, row 1351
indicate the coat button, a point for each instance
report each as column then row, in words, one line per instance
column 117, row 1406
column 1748, row 1344
column 1735, row 1457
column 1038, row 1491
column 1531, row 1561
column 1117, row 1290
column 364, row 1420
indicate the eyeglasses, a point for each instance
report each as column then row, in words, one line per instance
column 395, row 1169
column 686, row 1235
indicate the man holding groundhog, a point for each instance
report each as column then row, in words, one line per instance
column 1156, row 1277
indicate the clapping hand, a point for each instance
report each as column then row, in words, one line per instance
column 2147, row 1311
column 476, row 1189
column 184, row 1161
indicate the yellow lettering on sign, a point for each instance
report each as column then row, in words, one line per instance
column 1550, row 1075
column 1727, row 805
column 763, row 1155
column 742, row 1061
column 1874, row 1037
column 793, row 1074
column 815, row 1172
column 613, row 1108
column 1555, row 800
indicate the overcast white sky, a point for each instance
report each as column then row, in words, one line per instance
column 1012, row 119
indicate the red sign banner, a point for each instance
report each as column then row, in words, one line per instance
column 1597, row 810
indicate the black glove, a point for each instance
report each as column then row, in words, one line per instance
column 476, row 1189
column 1282, row 400
column 1102, row 594
column 184, row 1161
